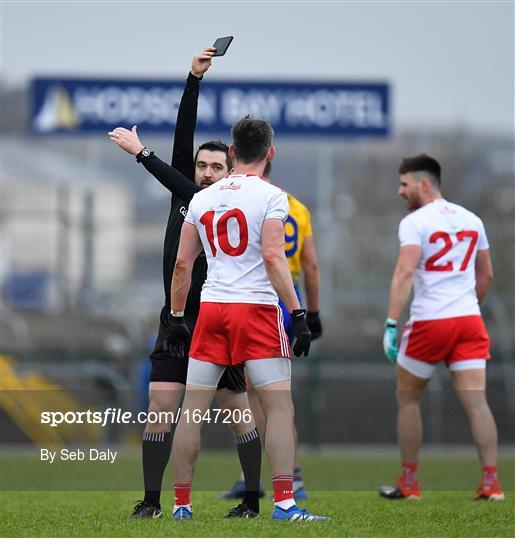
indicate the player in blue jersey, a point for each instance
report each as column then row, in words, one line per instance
column 302, row 259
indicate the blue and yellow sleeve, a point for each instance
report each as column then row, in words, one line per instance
column 296, row 228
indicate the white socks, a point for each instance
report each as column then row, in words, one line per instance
column 287, row 503
column 175, row 507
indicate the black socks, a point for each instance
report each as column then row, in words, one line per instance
column 249, row 452
column 156, row 449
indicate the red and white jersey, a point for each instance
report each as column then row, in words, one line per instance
column 229, row 216
column 445, row 279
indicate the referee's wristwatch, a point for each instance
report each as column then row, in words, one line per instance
column 144, row 154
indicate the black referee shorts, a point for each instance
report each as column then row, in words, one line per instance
column 169, row 368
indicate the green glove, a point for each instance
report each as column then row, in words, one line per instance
column 390, row 340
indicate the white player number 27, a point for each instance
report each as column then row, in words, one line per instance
column 441, row 236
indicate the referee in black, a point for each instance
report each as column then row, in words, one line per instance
column 186, row 176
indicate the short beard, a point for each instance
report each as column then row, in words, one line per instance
column 414, row 203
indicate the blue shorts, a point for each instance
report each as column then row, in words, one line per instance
column 287, row 317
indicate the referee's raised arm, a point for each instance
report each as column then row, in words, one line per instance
column 182, row 152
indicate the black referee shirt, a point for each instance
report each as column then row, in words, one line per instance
column 181, row 182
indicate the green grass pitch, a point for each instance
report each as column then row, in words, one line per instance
column 342, row 487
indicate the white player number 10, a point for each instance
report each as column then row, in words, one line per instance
column 222, row 234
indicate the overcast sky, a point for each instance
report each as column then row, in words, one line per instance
column 449, row 63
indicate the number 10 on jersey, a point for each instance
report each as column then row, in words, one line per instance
column 222, row 232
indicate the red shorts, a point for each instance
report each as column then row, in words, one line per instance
column 451, row 340
column 229, row 334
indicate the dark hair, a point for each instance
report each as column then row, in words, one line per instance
column 252, row 138
column 422, row 163
column 216, row 146
column 268, row 169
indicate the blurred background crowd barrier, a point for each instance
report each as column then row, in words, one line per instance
column 81, row 268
